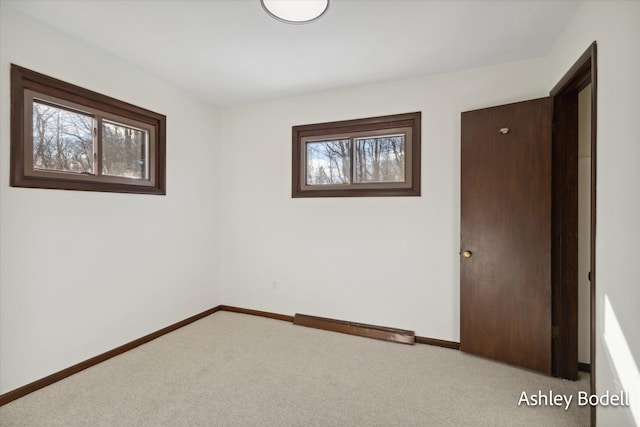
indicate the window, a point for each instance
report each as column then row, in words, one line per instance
column 70, row 138
column 378, row 156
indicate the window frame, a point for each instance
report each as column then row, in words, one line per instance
column 28, row 86
column 409, row 124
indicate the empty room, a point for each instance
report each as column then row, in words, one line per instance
column 312, row 212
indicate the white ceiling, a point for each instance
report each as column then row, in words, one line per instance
column 231, row 52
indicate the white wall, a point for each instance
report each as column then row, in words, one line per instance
column 389, row 261
column 616, row 28
column 343, row 258
column 83, row 272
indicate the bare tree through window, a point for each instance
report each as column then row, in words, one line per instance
column 124, row 151
column 370, row 157
column 62, row 139
column 376, row 159
column 328, row 162
column 380, row 159
column 67, row 137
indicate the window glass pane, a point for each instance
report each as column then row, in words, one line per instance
column 125, row 151
column 62, row 139
column 380, row 159
column 328, row 162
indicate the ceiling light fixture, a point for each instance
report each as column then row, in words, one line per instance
column 295, row 11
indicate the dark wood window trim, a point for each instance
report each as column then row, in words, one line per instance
column 25, row 83
column 408, row 124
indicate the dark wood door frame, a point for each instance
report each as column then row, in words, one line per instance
column 564, row 251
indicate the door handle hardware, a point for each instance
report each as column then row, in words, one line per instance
column 467, row 254
column 504, row 131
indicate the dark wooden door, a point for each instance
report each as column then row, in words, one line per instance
column 505, row 262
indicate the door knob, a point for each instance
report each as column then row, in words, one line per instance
column 467, row 254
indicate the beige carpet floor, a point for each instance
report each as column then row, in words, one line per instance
column 232, row 369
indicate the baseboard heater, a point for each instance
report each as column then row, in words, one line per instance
column 370, row 331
